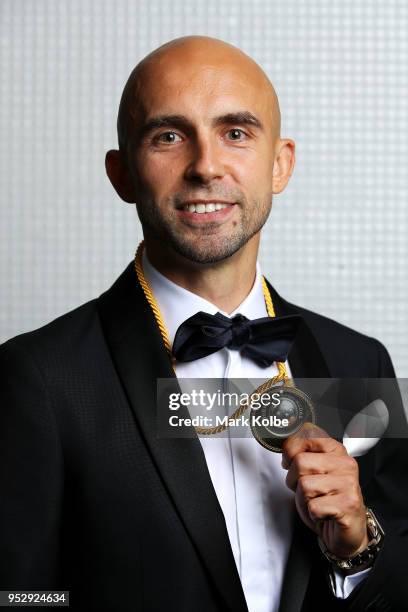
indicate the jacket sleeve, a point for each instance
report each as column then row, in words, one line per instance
column 386, row 492
column 31, row 475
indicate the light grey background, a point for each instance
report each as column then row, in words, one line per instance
column 336, row 241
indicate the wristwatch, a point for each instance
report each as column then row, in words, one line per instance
column 366, row 557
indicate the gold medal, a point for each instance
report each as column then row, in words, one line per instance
column 280, row 412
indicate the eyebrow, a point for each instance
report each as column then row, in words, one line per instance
column 240, row 117
column 181, row 121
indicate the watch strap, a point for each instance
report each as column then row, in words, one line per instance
column 364, row 558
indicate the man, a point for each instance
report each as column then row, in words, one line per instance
column 93, row 501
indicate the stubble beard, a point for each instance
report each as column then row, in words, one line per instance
column 204, row 245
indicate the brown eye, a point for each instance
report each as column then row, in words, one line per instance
column 169, row 137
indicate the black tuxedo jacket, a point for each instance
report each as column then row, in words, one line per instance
column 93, row 502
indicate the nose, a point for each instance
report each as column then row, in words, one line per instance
column 205, row 163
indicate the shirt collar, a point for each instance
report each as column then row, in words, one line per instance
column 177, row 304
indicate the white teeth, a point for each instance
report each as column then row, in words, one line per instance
column 205, row 208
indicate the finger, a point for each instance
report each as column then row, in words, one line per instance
column 340, row 521
column 306, row 464
column 343, row 508
column 316, row 485
column 310, row 438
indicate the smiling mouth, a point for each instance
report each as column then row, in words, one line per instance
column 205, row 207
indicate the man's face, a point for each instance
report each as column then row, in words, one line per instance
column 201, row 157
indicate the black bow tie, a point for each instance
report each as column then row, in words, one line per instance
column 263, row 340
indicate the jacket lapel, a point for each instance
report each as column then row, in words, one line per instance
column 140, row 358
column 305, row 361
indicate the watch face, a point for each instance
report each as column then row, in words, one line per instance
column 281, row 412
column 373, row 526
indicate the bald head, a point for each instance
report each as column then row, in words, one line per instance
column 179, row 60
column 201, row 154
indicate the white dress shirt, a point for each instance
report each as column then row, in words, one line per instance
column 249, row 480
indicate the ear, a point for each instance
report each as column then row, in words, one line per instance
column 283, row 165
column 119, row 176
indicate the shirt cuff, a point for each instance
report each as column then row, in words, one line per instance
column 342, row 585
